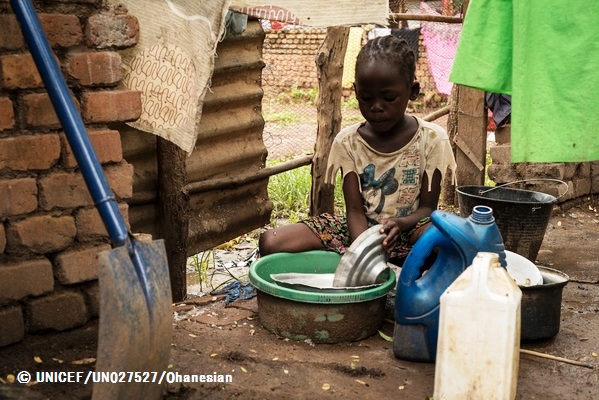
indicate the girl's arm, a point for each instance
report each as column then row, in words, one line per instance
column 428, row 203
column 354, row 208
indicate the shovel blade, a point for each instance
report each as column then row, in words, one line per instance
column 135, row 331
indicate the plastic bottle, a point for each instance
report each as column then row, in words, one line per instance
column 456, row 241
column 479, row 334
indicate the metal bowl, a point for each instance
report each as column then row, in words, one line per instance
column 365, row 262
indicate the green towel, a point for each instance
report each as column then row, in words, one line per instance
column 546, row 55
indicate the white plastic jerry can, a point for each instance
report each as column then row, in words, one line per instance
column 478, row 347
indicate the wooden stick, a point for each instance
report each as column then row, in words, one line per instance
column 437, row 114
column 426, row 17
column 227, row 183
column 555, row 358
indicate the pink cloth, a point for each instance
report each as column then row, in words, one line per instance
column 441, row 42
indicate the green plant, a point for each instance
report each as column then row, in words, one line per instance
column 205, row 266
column 488, row 162
column 352, row 118
column 307, row 96
column 351, row 103
column 290, row 192
column 281, row 117
column 298, row 96
column 202, row 263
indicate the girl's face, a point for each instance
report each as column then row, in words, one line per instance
column 383, row 94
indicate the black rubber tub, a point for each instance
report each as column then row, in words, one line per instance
column 541, row 306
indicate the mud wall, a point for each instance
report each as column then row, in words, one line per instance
column 50, row 231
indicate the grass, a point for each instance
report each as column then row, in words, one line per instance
column 282, row 117
column 290, row 194
column 298, row 96
column 202, row 263
column 488, row 162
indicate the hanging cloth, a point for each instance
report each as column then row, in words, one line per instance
column 545, row 54
column 412, row 36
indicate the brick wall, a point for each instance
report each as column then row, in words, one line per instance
column 289, row 57
column 50, row 231
column 582, row 177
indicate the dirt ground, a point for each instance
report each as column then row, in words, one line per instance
column 230, row 340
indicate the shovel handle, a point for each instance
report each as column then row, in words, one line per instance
column 70, row 120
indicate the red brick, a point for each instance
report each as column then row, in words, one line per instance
column 11, row 37
column 569, row 195
column 582, row 187
column 19, row 196
column 106, row 143
column 62, row 30
column 90, row 226
column 12, row 326
column 501, row 154
column 25, row 278
column 30, row 152
column 92, row 297
column 41, row 234
column 112, row 29
column 570, row 170
column 18, row 71
column 40, row 112
column 111, row 106
column 63, row 190
column 541, row 170
column 584, row 169
column 68, row 189
column 58, row 311
column 502, row 173
column 7, row 113
column 95, row 68
column 120, row 178
column 75, row 266
column 2, row 238
column 503, row 134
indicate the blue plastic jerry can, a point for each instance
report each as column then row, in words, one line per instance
column 456, row 241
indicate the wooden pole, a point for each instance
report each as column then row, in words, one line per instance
column 173, row 203
column 471, row 137
column 448, row 190
column 425, row 17
column 329, row 63
column 469, row 121
column 242, row 179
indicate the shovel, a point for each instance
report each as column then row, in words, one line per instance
column 135, row 330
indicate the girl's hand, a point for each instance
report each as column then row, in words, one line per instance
column 392, row 227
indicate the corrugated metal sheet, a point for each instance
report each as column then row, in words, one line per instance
column 229, row 145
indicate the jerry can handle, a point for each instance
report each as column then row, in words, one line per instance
column 423, row 248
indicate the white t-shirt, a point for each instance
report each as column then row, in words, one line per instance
column 390, row 182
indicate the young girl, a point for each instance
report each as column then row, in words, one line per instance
column 392, row 164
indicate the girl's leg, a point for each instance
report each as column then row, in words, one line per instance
column 289, row 238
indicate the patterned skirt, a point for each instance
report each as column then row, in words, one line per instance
column 334, row 234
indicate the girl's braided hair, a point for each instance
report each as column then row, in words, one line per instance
column 393, row 50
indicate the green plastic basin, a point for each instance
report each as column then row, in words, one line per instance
column 316, row 261
column 320, row 317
